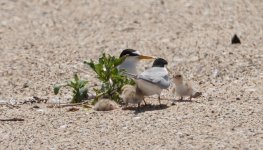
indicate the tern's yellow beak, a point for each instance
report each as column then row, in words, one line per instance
column 168, row 70
column 146, row 57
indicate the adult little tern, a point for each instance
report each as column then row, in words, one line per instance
column 153, row 80
column 131, row 60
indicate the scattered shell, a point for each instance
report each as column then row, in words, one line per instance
column 63, row 126
column 216, row 73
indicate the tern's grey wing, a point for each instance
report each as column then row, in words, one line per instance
column 156, row 75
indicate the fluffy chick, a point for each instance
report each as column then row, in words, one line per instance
column 183, row 88
column 131, row 94
column 105, row 105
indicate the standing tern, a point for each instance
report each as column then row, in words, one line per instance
column 153, row 80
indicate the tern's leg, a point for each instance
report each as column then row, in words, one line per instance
column 139, row 105
column 126, row 105
column 159, row 98
column 182, row 98
column 174, row 99
column 144, row 101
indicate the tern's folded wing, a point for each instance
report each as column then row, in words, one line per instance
column 156, row 76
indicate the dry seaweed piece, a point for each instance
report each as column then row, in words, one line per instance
column 13, row 119
column 35, row 99
column 72, row 109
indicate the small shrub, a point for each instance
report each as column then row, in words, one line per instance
column 112, row 79
column 80, row 92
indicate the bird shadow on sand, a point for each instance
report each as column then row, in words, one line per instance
column 183, row 101
column 173, row 101
column 148, row 107
column 151, row 107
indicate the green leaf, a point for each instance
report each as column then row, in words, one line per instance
column 72, row 83
column 112, row 79
column 98, row 68
column 118, row 61
column 91, row 64
column 82, row 83
column 76, row 77
column 56, row 89
column 79, row 90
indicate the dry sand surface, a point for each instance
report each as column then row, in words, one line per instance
column 44, row 42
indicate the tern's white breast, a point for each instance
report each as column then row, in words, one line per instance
column 129, row 65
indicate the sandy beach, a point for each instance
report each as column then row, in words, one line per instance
column 43, row 43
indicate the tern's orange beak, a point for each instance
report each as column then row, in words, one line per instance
column 146, row 57
column 168, row 70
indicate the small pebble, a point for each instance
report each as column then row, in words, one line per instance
column 36, row 107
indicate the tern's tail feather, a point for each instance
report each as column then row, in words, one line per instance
column 131, row 75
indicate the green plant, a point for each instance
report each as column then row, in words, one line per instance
column 80, row 92
column 112, row 79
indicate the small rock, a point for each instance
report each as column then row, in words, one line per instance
column 72, row 109
column 216, row 73
column 136, row 118
column 25, row 85
column 210, row 99
column 162, row 2
column 36, row 107
column 135, row 21
column 63, row 126
column 40, row 110
column 12, row 101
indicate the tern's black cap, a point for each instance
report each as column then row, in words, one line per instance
column 159, row 62
column 129, row 52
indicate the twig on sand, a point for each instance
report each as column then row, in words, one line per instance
column 13, row 119
column 69, row 105
column 9, row 105
column 84, row 104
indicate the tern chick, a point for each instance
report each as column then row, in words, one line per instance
column 131, row 94
column 183, row 88
column 105, row 105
